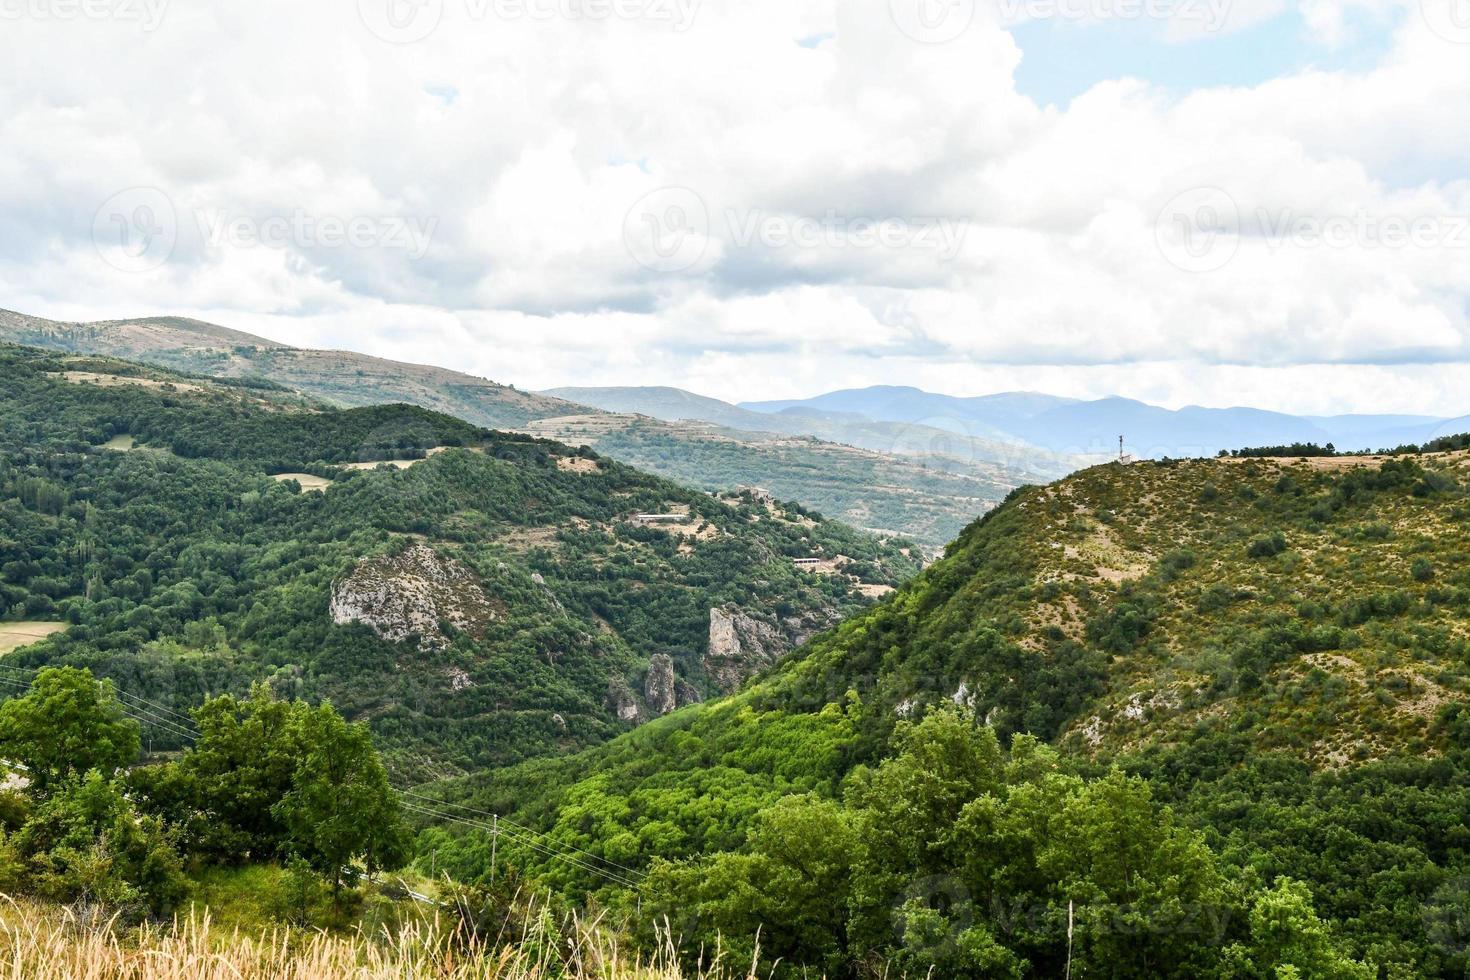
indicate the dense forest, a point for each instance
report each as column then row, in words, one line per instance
column 140, row 513
column 1211, row 713
column 1198, row 718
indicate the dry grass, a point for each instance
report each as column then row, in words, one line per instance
column 50, row 943
column 13, row 636
column 307, row 481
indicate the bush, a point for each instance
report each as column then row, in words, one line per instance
column 1267, row 546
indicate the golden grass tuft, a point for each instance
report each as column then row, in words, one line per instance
column 43, row 942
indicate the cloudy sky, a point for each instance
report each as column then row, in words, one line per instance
column 1187, row 201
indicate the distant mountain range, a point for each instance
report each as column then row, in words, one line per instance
column 1072, row 426
column 941, row 445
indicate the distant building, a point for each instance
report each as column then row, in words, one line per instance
column 807, row 562
column 659, row 518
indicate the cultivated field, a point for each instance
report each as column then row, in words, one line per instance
column 16, row 635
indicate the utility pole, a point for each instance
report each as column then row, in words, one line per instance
column 494, row 841
column 1069, row 939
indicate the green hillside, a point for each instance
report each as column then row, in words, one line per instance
column 928, row 499
column 485, row 598
column 343, row 378
column 1215, row 707
column 923, row 484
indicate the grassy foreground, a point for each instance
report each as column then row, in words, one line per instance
column 42, row 942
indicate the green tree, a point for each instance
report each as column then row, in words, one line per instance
column 223, row 792
column 1288, row 940
column 68, row 724
column 340, row 808
column 86, row 842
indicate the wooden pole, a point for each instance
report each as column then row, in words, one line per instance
column 494, row 841
column 1069, row 926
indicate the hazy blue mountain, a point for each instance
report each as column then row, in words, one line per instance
column 935, row 435
column 1065, row 425
column 668, row 404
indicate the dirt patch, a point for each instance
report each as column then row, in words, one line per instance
column 874, row 591
column 1340, row 463
column 576, row 464
column 529, row 539
column 118, row 381
column 307, row 481
column 13, row 636
column 397, row 464
column 120, row 444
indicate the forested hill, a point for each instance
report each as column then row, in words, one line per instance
column 482, row 598
column 923, row 484
column 1217, row 708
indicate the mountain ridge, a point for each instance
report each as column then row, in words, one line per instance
column 1092, row 426
column 892, row 493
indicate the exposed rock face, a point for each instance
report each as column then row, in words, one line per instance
column 686, row 693
column 412, row 594
column 659, row 690
column 741, row 645
column 621, row 701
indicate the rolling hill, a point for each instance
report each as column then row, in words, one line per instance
column 869, row 477
column 480, row 597
column 925, row 498
column 1263, row 662
column 343, row 378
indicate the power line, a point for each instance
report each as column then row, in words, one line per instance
column 581, row 865
column 121, row 693
column 164, row 726
column 526, row 841
column 523, row 828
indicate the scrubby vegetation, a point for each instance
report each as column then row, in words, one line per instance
column 181, row 569
column 1199, row 718
column 1247, row 658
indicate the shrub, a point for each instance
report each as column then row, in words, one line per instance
column 1267, row 546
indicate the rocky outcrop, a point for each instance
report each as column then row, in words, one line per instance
column 659, row 688
column 686, row 693
column 741, row 645
column 622, row 702
column 415, row 593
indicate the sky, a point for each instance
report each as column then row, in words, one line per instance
column 1217, row 202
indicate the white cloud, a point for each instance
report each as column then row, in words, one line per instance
column 865, row 209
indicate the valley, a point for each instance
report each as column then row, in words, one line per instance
column 482, row 597
column 1273, row 649
column 1168, row 699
